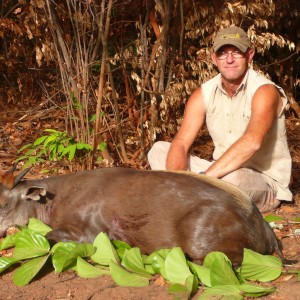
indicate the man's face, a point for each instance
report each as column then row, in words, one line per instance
column 232, row 63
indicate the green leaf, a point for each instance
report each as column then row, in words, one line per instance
column 201, row 272
column 101, row 147
column 55, row 132
column 51, row 139
column 297, row 219
column 28, row 270
column 25, row 147
column 178, row 291
column 221, row 272
column 126, row 278
column 120, row 244
column 39, row 141
column 72, row 150
column 273, row 218
column 86, row 270
column 260, row 267
column 191, row 283
column 177, row 269
column 65, row 256
column 38, row 226
column 212, row 256
column 82, row 146
column 252, row 290
column 158, row 265
column 8, row 242
column 6, row 262
column 30, row 244
column 224, row 292
column 133, row 261
column 120, row 247
column 105, row 250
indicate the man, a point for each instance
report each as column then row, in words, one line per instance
column 244, row 114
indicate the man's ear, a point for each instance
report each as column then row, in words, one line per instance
column 251, row 53
column 214, row 58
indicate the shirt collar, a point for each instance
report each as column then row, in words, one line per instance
column 241, row 87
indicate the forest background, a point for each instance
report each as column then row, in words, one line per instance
column 109, row 78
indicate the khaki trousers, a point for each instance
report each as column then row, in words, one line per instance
column 261, row 192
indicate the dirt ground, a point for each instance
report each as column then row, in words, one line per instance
column 67, row 285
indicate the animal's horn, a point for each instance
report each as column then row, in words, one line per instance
column 20, row 176
column 13, row 168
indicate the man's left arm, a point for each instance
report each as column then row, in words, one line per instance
column 266, row 105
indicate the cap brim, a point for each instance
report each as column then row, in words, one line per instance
column 222, row 43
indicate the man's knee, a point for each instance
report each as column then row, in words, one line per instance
column 253, row 184
column 157, row 155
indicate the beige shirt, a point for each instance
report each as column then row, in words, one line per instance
column 227, row 119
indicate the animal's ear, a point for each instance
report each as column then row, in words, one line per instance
column 35, row 193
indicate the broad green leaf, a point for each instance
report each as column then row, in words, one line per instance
column 178, row 291
column 65, row 256
column 158, row 265
column 133, row 261
column 297, row 219
column 273, row 218
column 162, row 252
column 201, row 272
column 123, row 277
column 30, row 244
column 120, row 244
column 260, row 267
column 221, row 272
column 28, row 270
column 252, row 290
column 38, row 226
column 191, row 283
column 177, row 269
column 105, row 250
column 149, row 269
column 210, row 258
column 224, row 292
column 6, row 262
column 8, row 242
column 86, row 270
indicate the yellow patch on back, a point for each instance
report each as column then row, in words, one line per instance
column 239, row 195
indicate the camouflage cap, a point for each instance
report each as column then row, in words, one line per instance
column 232, row 35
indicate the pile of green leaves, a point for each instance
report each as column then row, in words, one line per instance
column 129, row 267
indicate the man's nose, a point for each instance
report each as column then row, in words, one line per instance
column 230, row 57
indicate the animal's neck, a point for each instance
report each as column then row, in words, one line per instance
column 43, row 212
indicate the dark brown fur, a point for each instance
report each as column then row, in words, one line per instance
column 147, row 209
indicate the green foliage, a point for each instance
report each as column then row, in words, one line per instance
column 273, row 218
column 129, row 267
column 54, row 146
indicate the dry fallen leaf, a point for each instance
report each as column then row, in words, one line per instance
column 160, row 281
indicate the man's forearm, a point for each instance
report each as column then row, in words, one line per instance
column 176, row 159
column 234, row 158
